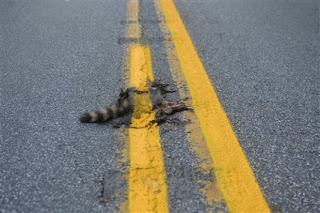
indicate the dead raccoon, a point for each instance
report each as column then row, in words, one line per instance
column 126, row 102
column 158, row 91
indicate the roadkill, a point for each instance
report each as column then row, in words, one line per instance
column 125, row 105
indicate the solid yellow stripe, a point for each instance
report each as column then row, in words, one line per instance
column 233, row 172
column 147, row 178
column 195, row 136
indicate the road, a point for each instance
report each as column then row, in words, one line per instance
column 61, row 58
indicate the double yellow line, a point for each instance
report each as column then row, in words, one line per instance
column 147, row 179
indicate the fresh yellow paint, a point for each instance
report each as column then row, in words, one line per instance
column 147, row 190
column 234, row 175
column 147, row 178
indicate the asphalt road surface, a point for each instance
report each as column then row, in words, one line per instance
column 60, row 58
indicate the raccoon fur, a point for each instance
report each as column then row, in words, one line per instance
column 124, row 105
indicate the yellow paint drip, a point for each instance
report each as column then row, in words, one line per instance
column 147, row 179
column 233, row 172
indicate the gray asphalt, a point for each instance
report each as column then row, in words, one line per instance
column 263, row 59
column 61, row 58
column 58, row 60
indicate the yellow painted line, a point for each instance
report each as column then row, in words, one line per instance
column 147, row 178
column 134, row 29
column 210, row 189
column 147, row 188
column 133, row 34
column 234, row 175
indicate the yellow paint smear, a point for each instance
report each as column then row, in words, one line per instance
column 233, row 172
column 212, row 192
column 124, row 165
column 147, row 179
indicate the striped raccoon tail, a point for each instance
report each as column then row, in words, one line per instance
column 101, row 115
column 125, row 105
